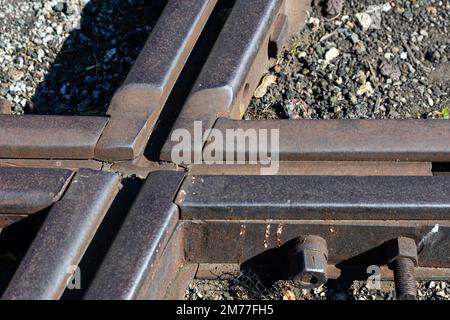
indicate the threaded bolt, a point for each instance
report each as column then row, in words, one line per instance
column 402, row 256
column 405, row 279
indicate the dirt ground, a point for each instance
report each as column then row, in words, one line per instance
column 394, row 66
column 247, row 286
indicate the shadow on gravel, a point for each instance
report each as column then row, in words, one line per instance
column 96, row 58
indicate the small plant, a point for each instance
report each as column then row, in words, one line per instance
column 294, row 51
column 443, row 114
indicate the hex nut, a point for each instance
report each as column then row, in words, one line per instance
column 403, row 247
column 308, row 262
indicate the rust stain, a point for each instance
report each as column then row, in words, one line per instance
column 279, row 234
column 266, row 237
column 181, row 196
column 243, row 228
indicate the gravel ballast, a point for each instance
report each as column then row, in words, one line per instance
column 374, row 60
column 250, row 288
column 69, row 56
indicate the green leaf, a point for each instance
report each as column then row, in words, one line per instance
column 294, row 51
column 443, row 114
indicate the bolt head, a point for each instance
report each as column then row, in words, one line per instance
column 404, row 247
column 308, row 262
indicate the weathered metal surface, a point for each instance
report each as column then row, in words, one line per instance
column 405, row 279
column 179, row 284
column 64, row 237
column 7, row 219
column 26, row 191
column 322, row 168
column 161, row 280
column 237, row 63
column 355, row 140
column 49, row 137
column 350, row 243
column 315, row 197
column 127, row 271
column 49, row 163
column 141, row 167
column 138, row 102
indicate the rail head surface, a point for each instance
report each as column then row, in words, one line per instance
column 237, row 62
column 71, row 223
column 26, row 191
column 135, row 107
column 138, row 102
column 345, row 140
column 49, row 137
column 127, row 272
column 314, row 198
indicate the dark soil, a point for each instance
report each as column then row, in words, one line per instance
column 399, row 68
column 248, row 287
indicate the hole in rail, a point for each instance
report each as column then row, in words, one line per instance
column 246, row 90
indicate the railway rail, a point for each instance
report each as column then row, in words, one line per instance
column 348, row 194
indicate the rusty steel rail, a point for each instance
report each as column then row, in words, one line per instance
column 134, row 110
column 350, row 140
column 138, row 103
column 57, row 137
column 321, row 168
column 234, row 69
column 348, row 194
column 237, row 62
column 65, row 235
column 161, row 246
column 129, row 270
column 27, row 191
column 314, row 198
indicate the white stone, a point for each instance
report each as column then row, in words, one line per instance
column 364, row 19
column 333, row 53
column 424, row 33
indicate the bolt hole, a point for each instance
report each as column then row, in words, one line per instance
column 272, row 50
column 246, row 90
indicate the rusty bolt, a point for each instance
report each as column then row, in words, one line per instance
column 403, row 259
column 308, row 261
